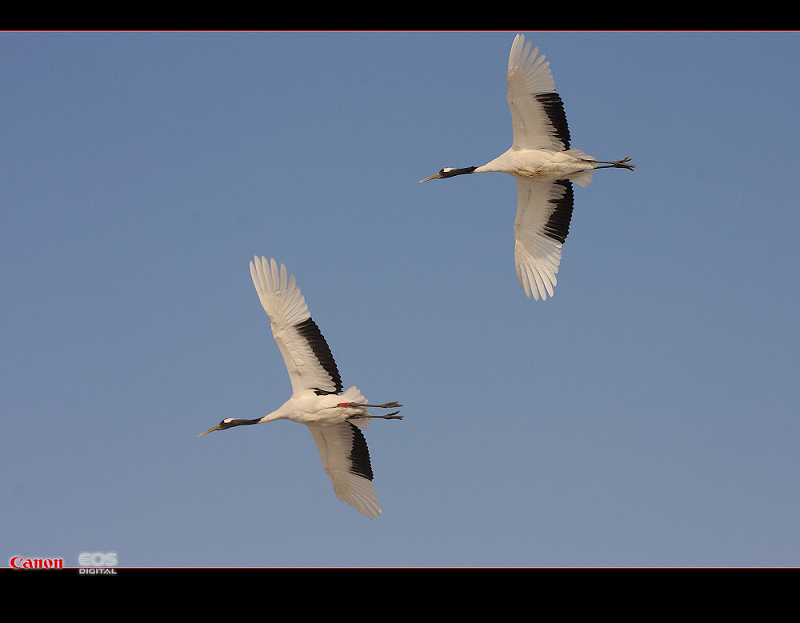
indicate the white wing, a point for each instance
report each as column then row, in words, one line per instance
column 306, row 353
column 537, row 112
column 345, row 458
column 543, row 215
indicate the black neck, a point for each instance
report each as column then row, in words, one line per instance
column 452, row 172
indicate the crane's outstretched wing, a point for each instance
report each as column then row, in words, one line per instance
column 346, row 461
column 537, row 111
column 543, row 215
column 306, row 353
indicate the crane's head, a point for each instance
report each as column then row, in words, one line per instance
column 449, row 172
column 229, row 422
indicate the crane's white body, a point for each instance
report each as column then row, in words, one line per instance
column 308, row 408
column 544, row 166
column 333, row 417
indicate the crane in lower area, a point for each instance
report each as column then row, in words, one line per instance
column 335, row 419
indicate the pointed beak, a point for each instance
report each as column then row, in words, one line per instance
column 432, row 177
column 211, row 430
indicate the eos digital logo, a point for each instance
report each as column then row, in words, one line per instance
column 97, row 563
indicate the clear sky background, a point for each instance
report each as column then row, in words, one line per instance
column 649, row 414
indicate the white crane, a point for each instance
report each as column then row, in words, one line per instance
column 544, row 165
column 334, row 418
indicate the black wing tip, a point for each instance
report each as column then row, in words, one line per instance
column 554, row 109
column 319, row 346
column 557, row 226
column 360, row 464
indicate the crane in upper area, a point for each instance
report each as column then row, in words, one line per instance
column 335, row 419
column 544, row 165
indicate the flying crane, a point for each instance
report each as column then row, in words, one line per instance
column 541, row 160
column 335, row 419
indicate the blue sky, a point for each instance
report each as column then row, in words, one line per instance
column 647, row 415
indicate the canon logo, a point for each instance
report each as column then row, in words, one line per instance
column 18, row 562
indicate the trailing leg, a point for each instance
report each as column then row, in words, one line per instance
column 616, row 164
column 388, row 416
